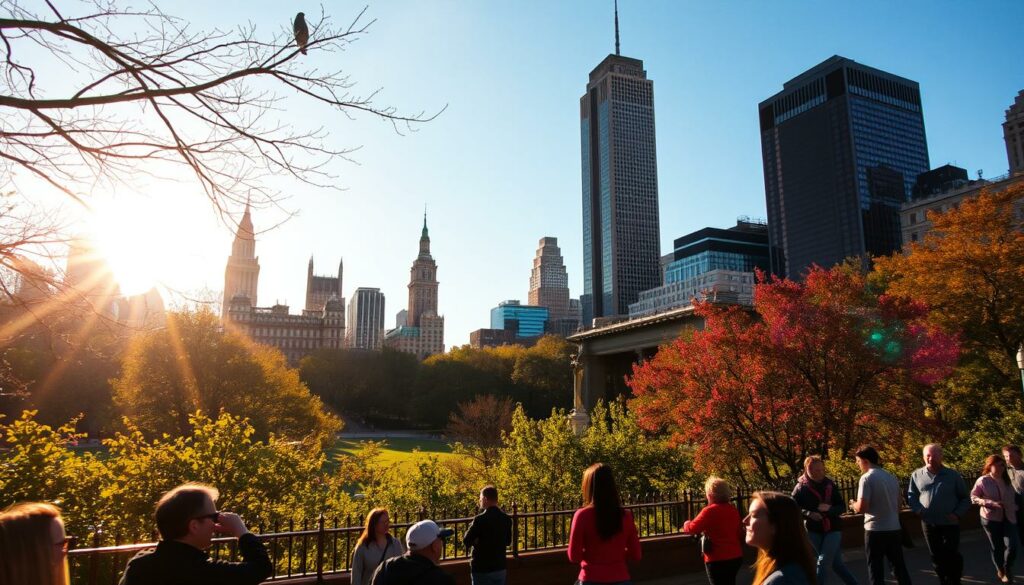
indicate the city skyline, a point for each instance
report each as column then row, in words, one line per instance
column 710, row 71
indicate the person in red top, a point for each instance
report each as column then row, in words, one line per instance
column 603, row 536
column 720, row 524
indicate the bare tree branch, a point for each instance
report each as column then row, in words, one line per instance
column 165, row 94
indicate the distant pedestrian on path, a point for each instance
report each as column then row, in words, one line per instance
column 374, row 546
column 939, row 496
column 720, row 524
column 995, row 495
column 823, row 507
column 603, row 536
column 776, row 528
column 1015, row 468
column 878, row 498
column 489, row 534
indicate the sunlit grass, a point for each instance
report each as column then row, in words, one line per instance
column 402, row 451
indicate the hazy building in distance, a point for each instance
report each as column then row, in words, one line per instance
column 319, row 289
column 242, row 273
column 365, row 328
column 549, row 288
column 295, row 335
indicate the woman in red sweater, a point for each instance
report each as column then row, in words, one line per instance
column 603, row 536
column 720, row 524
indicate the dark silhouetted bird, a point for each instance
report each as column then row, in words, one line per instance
column 301, row 32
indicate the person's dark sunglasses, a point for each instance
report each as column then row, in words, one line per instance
column 214, row 516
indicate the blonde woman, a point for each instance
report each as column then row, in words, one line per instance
column 33, row 546
column 720, row 524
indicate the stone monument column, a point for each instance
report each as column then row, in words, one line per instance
column 579, row 420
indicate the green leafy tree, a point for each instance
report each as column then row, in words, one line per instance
column 543, row 460
column 267, row 481
column 361, row 383
column 192, row 365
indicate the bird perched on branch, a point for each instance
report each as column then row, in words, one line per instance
column 301, row 32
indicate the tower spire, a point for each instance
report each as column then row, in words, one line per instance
column 616, row 27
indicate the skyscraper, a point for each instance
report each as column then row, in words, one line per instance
column 423, row 332
column 365, row 319
column 242, row 274
column 842, row 145
column 620, row 187
column 549, row 287
column 1013, row 133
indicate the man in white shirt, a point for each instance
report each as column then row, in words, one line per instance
column 878, row 498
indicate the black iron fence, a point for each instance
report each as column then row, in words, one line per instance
column 324, row 547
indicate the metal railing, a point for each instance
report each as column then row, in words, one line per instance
column 326, row 547
column 322, row 547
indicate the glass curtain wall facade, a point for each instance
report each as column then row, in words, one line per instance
column 743, row 248
column 620, row 188
column 529, row 320
column 842, row 146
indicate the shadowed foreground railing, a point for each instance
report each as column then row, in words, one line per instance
column 325, row 548
column 315, row 549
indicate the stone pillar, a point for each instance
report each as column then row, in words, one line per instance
column 579, row 420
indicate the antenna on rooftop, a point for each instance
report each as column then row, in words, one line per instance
column 616, row 27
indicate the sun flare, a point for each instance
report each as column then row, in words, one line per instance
column 152, row 241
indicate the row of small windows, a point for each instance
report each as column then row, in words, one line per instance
column 305, row 333
column 801, row 100
column 883, row 90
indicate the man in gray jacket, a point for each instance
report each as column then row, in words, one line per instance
column 939, row 496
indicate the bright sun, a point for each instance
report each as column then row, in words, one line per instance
column 125, row 240
column 151, row 241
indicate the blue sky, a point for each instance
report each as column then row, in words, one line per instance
column 500, row 168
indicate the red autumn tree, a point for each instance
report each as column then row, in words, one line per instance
column 815, row 366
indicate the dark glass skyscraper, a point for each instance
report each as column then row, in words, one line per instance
column 842, row 146
column 620, row 188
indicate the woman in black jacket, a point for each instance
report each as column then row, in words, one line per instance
column 822, row 506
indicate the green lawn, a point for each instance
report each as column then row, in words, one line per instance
column 397, row 450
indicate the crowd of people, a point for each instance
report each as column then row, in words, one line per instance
column 797, row 536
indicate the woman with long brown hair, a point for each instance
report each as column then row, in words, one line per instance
column 374, row 546
column 33, row 546
column 603, row 536
column 994, row 493
column 775, row 527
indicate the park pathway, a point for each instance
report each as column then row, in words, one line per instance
column 978, row 569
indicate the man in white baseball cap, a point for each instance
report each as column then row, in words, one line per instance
column 419, row 566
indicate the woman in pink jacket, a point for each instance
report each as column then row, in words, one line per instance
column 994, row 493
